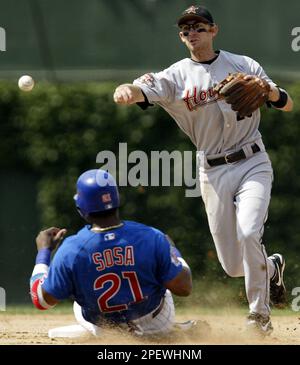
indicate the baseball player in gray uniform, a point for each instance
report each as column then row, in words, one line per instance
column 235, row 170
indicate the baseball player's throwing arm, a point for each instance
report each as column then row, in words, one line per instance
column 127, row 94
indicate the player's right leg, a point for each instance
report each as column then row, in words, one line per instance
column 72, row 331
column 90, row 327
column 160, row 321
column 217, row 192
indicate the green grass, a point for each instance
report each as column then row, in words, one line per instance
column 198, row 310
column 208, row 297
column 62, row 308
column 229, row 310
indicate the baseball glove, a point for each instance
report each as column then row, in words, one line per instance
column 245, row 93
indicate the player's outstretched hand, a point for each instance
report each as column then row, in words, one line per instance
column 50, row 238
column 124, row 95
column 127, row 94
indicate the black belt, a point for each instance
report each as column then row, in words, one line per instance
column 133, row 327
column 232, row 157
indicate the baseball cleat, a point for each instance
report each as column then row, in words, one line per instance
column 277, row 288
column 259, row 324
column 194, row 328
column 186, row 325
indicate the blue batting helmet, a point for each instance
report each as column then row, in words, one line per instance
column 97, row 191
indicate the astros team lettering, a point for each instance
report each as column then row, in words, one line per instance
column 199, row 97
column 117, row 256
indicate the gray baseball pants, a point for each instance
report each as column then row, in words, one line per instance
column 236, row 198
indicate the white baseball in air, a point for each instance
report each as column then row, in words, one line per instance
column 26, row 83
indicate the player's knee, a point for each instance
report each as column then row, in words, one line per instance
column 248, row 234
column 234, row 273
column 232, row 269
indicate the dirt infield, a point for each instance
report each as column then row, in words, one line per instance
column 224, row 328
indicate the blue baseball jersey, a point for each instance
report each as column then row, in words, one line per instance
column 117, row 274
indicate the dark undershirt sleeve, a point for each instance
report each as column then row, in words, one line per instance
column 144, row 104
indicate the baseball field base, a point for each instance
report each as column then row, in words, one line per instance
column 72, row 331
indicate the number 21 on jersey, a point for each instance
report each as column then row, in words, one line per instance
column 115, row 284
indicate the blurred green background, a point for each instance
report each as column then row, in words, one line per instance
column 78, row 52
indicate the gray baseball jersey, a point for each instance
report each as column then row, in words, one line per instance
column 236, row 196
column 184, row 90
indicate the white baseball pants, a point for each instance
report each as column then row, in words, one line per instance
column 236, row 198
column 150, row 324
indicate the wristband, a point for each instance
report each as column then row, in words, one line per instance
column 282, row 101
column 43, row 256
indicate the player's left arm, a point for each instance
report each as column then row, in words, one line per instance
column 181, row 285
column 174, row 270
column 46, row 242
column 278, row 97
